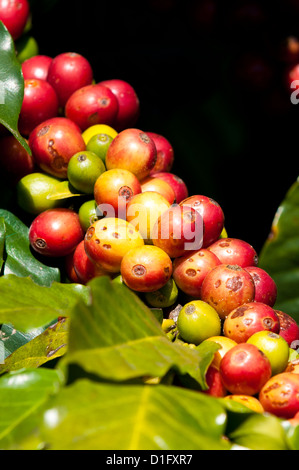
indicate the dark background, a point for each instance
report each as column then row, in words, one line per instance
column 210, row 76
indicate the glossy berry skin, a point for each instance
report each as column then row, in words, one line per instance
column 116, row 188
column 178, row 230
column 68, row 72
column 190, row 270
column 289, row 329
column 55, row 232
column 247, row 400
column 146, row 268
column 84, row 267
column 36, row 67
column 128, row 103
column 160, row 186
column 198, row 321
column 249, row 318
column 234, row 251
column 14, row 14
column 245, row 369
column 92, row 105
column 177, row 184
column 214, row 383
column 225, row 344
column 83, row 170
column 144, row 209
column 165, row 153
column 275, row 348
column 107, row 241
column 280, row 395
column 53, row 143
column 164, row 297
column 15, row 161
column 40, row 103
column 212, row 215
column 134, row 151
column 227, row 287
column 265, row 287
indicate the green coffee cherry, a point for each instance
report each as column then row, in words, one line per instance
column 164, row 297
column 198, row 321
column 33, row 192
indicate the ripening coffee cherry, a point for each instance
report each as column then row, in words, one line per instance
column 53, row 143
column 90, row 105
column 212, row 215
column 245, row 369
column 265, row 286
column 247, row 400
column 178, row 230
column 84, row 267
column 146, row 268
column 288, row 329
column 177, row 184
column 162, row 187
column 14, row 14
column 37, row 67
column 55, row 232
column 247, row 319
column 190, row 270
column 234, row 251
column 107, row 241
column 134, row 151
column 67, row 73
column 280, row 395
column 40, row 103
column 116, row 188
column 227, row 287
column 165, row 153
column 128, row 103
column 225, row 345
column 275, row 348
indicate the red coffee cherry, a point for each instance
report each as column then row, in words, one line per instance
column 84, row 267
column 227, row 287
column 212, row 215
column 165, row 153
column 91, row 105
column 265, row 287
column 162, row 187
column 245, row 369
column 289, row 329
column 53, row 143
column 14, row 14
column 40, row 103
column 234, row 251
column 214, row 383
column 36, row 67
column 68, row 72
column 280, row 395
column 244, row 321
column 55, row 232
column 128, row 103
column 177, row 184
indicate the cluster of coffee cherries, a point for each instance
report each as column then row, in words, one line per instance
column 138, row 225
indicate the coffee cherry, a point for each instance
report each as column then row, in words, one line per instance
column 14, row 14
column 40, row 103
column 55, row 232
column 274, row 347
column 128, row 103
column 190, row 270
column 33, row 192
column 144, row 209
column 227, row 287
column 83, row 170
column 67, row 73
column 84, row 267
column 212, row 215
column 88, row 214
column 37, row 67
column 198, row 321
column 177, row 184
column 247, row 400
column 225, row 345
column 99, row 145
column 146, row 268
column 98, row 129
column 265, row 287
column 234, row 251
column 289, row 329
column 164, row 297
column 165, row 153
column 116, row 188
column 247, row 319
column 214, row 383
column 245, row 369
column 134, row 151
column 15, row 161
column 178, row 230
column 107, row 241
column 91, row 105
column 159, row 186
column 53, row 143
column 280, row 395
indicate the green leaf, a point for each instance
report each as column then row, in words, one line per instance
column 21, row 394
column 46, row 346
column 90, row 416
column 12, row 86
column 280, row 253
column 118, row 338
column 26, row 305
column 13, row 339
column 2, row 241
column 19, row 258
